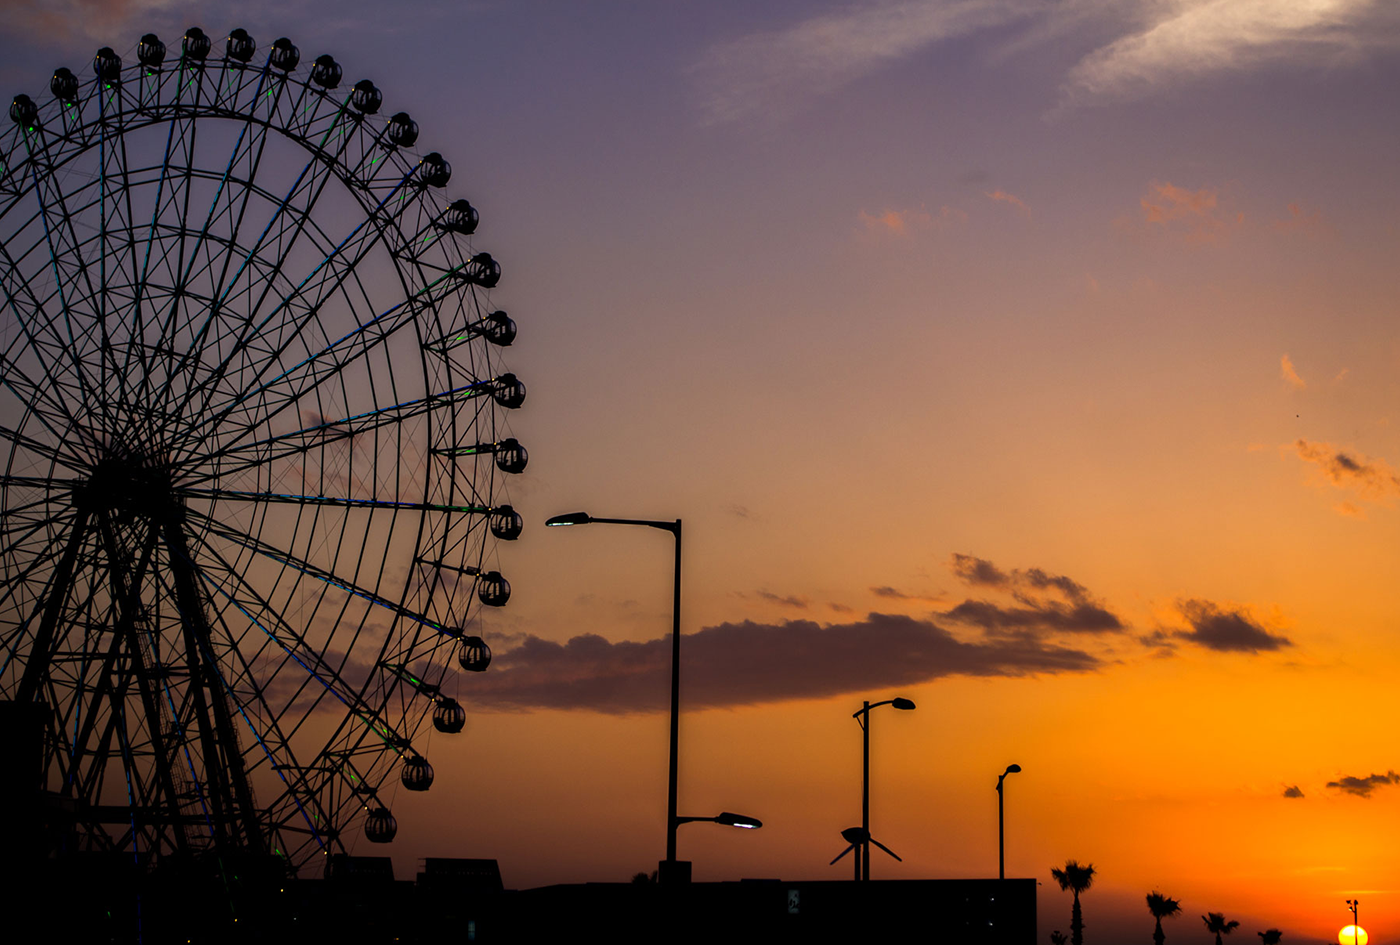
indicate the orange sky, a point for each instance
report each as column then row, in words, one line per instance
column 1107, row 293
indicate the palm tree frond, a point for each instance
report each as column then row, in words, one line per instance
column 1161, row 906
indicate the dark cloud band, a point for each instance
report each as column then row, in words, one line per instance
column 749, row 663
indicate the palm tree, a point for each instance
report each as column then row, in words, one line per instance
column 1271, row 937
column 1161, row 907
column 1215, row 922
column 1057, row 938
column 1077, row 878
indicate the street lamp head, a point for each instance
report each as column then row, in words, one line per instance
column 902, row 703
column 1011, row 769
column 738, row 820
column 572, row 518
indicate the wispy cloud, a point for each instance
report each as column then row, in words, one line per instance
column 1194, row 215
column 1151, row 44
column 1002, row 196
column 1286, row 370
column 1226, row 629
column 1302, row 220
column 777, row 69
column 785, row 600
column 906, row 222
column 1371, row 479
column 1293, row 790
column 1191, row 38
column 750, row 663
column 894, row 593
column 1362, row 787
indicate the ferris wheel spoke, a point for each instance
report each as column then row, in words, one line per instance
column 287, row 559
column 269, row 620
column 50, row 452
column 322, row 170
column 66, row 264
column 239, row 456
column 289, row 386
column 172, row 194
column 298, row 203
column 49, row 353
column 301, row 306
column 325, row 501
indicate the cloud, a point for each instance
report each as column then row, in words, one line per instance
column 788, row 601
column 775, row 70
column 1226, row 631
column 1133, row 49
column 1371, row 479
column 981, row 572
column 1044, row 616
column 1285, row 366
column 1362, row 787
column 1308, row 222
column 749, row 663
column 1195, row 215
column 973, row 570
column 907, row 222
column 894, row 593
column 1003, row 197
column 1293, row 791
column 67, row 19
column 1192, row 38
column 1033, row 612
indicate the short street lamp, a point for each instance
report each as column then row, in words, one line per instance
column 726, row 818
column 1001, row 822
column 863, row 717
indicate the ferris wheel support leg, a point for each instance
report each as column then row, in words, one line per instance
column 37, row 669
column 128, row 629
column 224, row 769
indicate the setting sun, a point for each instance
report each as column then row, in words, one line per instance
column 1353, row 935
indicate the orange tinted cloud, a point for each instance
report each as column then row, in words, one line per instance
column 905, row 222
column 1195, row 215
column 1300, row 220
column 1289, row 374
column 1012, row 199
column 1370, row 478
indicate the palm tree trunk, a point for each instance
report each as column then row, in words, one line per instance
column 1076, row 923
column 1159, row 936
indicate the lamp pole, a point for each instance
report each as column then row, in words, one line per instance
column 1355, row 925
column 672, row 821
column 863, row 717
column 1001, row 822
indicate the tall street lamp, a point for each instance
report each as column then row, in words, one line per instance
column 668, row 868
column 1001, row 821
column 863, row 717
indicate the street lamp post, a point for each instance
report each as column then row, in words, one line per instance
column 863, row 717
column 669, row 868
column 1001, row 822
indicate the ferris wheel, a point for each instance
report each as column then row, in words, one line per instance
column 253, row 450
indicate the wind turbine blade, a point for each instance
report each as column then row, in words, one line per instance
column 843, row 853
column 886, row 849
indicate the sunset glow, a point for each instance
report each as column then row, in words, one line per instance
column 1036, row 361
column 1353, row 935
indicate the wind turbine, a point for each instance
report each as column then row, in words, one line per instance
column 857, row 837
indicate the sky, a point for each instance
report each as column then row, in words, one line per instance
column 1035, row 360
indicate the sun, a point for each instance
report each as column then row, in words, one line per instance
column 1353, row 935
